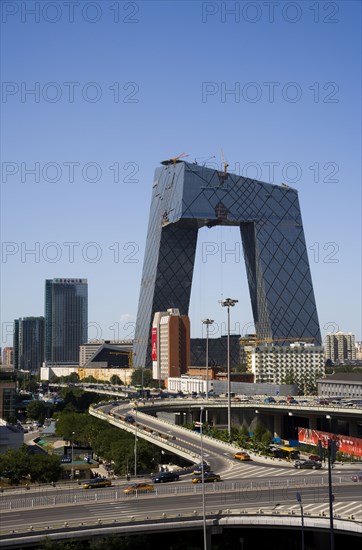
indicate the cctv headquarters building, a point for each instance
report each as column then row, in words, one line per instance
column 187, row 197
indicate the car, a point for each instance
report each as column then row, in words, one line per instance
column 164, row 477
column 198, row 468
column 242, row 455
column 97, row 482
column 129, row 418
column 208, row 477
column 357, row 476
column 138, row 488
column 313, row 464
column 269, row 400
column 314, row 457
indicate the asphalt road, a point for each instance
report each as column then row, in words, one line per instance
column 154, row 506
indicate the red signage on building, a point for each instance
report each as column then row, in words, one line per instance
column 346, row 444
column 154, row 344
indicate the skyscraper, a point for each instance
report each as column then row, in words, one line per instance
column 66, row 319
column 29, row 343
column 187, row 197
column 170, row 344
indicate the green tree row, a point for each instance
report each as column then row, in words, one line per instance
column 112, row 444
column 18, row 465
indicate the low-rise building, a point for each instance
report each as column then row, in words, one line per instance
column 341, row 384
column 11, row 437
column 86, row 351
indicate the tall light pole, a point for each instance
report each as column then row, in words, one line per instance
column 299, row 499
column 331, row 456
column 72, row 467
column 207, row 322
column 135, row 446
column 228, row 302
column 203, row 481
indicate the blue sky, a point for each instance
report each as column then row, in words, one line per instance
column 120, row 86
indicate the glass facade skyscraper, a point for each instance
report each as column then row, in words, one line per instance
column 66, row 319
column 187, row 197
column 29, row 343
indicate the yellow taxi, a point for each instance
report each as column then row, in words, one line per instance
column 242, row 455
column 208, row 477
column 97, row 482
column 139, row 488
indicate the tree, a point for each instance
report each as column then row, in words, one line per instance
column 44, row 468
column 266, row 438
column 14, row 465
column 76, row 399
column 289, row 378
column 143, row 375
column 115, row 380
column 37, row 410
column 259, row 430
column 90, row 379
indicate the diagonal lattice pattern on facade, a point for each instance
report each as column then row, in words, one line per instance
column 187, row 197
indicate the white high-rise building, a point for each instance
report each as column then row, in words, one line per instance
column 299, row 363
column 340, row 346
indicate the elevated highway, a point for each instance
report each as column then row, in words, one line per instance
column 260, row 494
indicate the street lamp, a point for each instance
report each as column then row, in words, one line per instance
column 207, row 322
column 135, row 446
column 228, row 302
column 299, row 499
column 72, row 467
column 203, row 481
column 331, row 454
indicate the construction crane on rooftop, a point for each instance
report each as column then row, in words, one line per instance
column 174, row 160
column 224, row 162
column 287, row 339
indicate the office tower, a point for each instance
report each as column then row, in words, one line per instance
column 187, row 197
column 66, row 319
column 170, row 344
column 8, row 357
column 29, row 343
column 340, row 346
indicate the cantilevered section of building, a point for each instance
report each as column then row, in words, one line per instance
column 187, row 197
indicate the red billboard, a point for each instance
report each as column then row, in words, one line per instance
column 154, row 344
column 346, row 444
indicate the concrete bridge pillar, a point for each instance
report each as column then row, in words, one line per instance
column 313, row 423
column 278, row 425
column 353, row 429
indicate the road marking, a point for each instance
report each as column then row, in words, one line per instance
column 314, row 506
column 350, row 506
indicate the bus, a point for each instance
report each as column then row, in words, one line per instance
column 289, row 453
column 142, row 392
